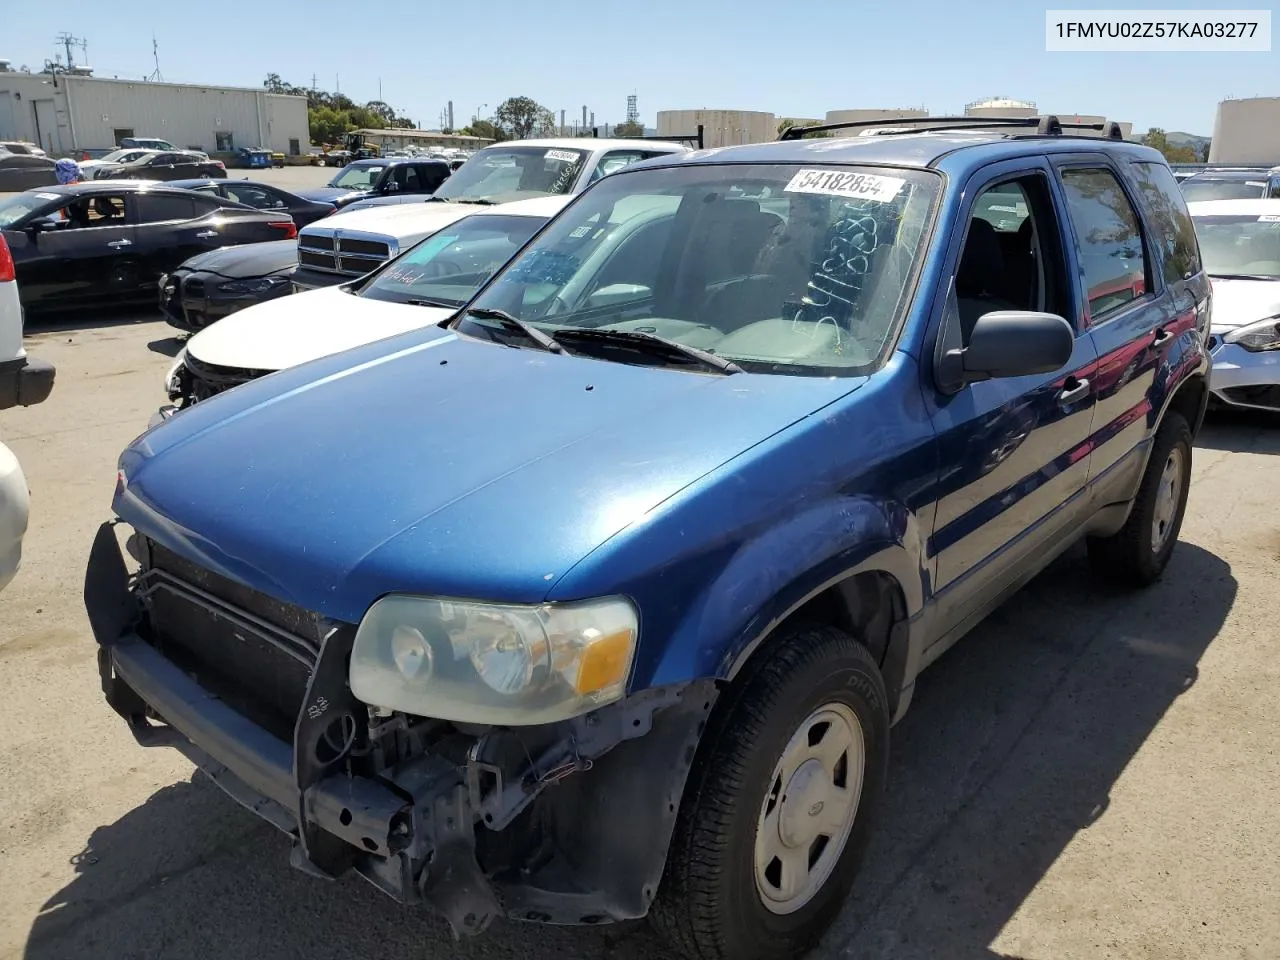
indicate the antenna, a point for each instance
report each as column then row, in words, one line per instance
column 67, row 41
column 155, row 74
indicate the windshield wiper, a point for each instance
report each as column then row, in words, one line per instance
column 1242, row 276
column 515, row 325
column 648, row 345
column 429, row 302
column 480, row 200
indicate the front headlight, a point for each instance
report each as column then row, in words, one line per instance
column 249, row 288
column 171, row 384
column 1257, row 337
column 493, row 663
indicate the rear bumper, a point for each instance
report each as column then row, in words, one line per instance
column 1245, row 379
column 25, row 381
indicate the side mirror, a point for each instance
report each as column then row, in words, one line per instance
column 44, row 225
column 1015, row 343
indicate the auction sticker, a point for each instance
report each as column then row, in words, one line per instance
column 48, row 196
column 1269, row 218
column 568, row 156
column 835, row 183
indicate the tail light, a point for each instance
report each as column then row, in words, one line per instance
column 220, row 165
column 6, row 261
column 84, row 155
column 288, row 226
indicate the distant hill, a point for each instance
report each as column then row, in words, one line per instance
column 1192, row 140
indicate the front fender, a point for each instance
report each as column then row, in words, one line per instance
column 771, row 576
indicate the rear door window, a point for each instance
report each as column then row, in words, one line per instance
column 1174, row 239
column 158, row 208
column 1109, row 238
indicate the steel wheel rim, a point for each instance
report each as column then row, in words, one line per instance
column 1166, row 507
column 809, row 808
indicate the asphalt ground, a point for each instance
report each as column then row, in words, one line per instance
column 1089, row 774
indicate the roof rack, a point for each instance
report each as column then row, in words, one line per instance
column 1044, row 126
column 1225, row 167
column 691, row 138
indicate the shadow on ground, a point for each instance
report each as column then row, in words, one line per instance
column 167, row 346
column 37, row 325
column 1011, row 747
column 1241, row 431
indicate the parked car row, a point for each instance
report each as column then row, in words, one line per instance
column 794, row 417
column 96, row 242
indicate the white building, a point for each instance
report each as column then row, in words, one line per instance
column 65, row 113
column 1247, row 131
column 721, row 128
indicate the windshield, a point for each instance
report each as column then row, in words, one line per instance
column 779, row 268
column 1240, row 245
column 502, row 174
column 357, row 178
column 447, row 268
column 123, row 156
column 16, row 207
column 1194, row 189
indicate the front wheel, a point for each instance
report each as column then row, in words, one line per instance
column 1139, row 552
column 778, row 809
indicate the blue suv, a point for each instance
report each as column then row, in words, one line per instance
column 598, row 599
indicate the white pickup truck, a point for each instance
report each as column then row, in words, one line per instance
column 350, row 244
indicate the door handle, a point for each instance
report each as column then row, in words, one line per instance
column 120, row 243
column 207, row 233
column 1072, row 393
column 1162, row 336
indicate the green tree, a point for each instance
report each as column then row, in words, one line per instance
column 629, row 129
column 521, row 117
column 486, row 129
column 328, row 125
column 1155, row 137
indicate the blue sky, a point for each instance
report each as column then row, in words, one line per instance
column 801, row 58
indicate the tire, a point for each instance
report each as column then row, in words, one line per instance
column 714, row 902
column 1137, row 554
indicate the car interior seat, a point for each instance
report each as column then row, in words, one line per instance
column 980, row 279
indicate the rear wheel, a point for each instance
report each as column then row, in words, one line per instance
column 778, row 809
column 1138, row 553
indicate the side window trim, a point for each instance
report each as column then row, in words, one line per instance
column 977, row 184
column 1098, row 161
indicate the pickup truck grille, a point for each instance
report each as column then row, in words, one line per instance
column 253, row 651
column 346, row 255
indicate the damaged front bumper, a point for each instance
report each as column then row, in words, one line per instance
column 566, row 823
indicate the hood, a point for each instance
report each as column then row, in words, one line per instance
column 289, row 330
column 1238, row 302
column 247, row 260
column 436, row 464
column 324, row 194
column 393, row 200
column 402, row 223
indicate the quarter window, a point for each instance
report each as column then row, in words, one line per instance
column 1109, row 239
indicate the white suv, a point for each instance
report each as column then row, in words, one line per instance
column 23, row 381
